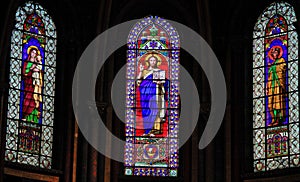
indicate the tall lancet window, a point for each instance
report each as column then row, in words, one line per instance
column 152, row 116
column 29, row 134
column 275, row 89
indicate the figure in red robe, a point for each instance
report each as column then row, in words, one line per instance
column 30, row 110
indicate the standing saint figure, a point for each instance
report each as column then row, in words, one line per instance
column 276, row 86
column 152, row 86
column 30, row 105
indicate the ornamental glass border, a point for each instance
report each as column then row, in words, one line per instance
column 29, row 139
column 275, row 144
column 163, row 42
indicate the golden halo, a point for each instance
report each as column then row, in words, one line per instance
column 272, row 49
column 153, row 54
column 31, row 47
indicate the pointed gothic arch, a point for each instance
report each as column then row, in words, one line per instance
column 152, row 101
column 30, row 116
column 275, row 89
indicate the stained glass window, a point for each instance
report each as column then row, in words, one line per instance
column 29, row 135
column 275, row 89
column 152, row 102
